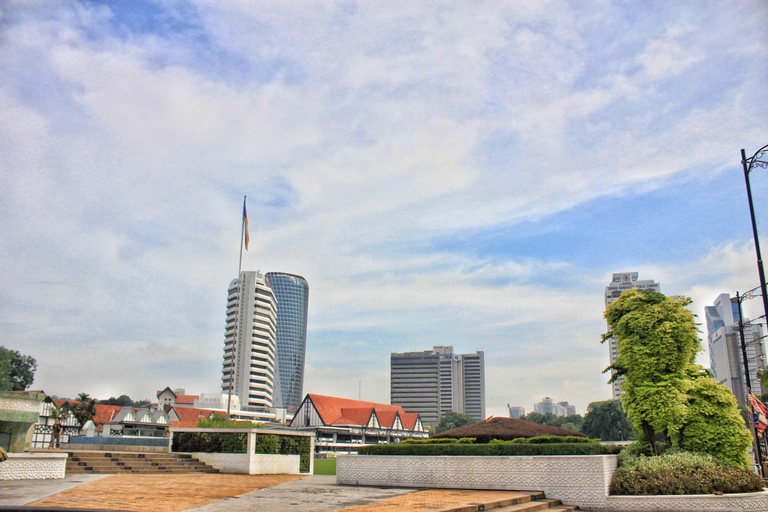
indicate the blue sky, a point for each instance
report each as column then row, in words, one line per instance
column 442, row 173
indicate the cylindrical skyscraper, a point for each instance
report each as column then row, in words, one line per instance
column 292, row 293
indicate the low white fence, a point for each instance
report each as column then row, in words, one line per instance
column 33, row 466
column 251, row 464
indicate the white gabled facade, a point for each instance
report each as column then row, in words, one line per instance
column 250, row 346
column 342, row 425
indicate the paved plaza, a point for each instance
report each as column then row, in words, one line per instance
column 226, row 493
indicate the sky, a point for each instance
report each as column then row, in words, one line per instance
column 442, row 173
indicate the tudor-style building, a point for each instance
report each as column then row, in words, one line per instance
column 342, row 425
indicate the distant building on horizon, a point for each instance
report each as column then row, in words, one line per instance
column 725, row 355
column 250, row 342
column 516, row 412
column 292, row 294
column 437, row 381
column 621, row 282
column 548, row 405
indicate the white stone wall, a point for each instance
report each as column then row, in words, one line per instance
column 581, row 480
column 33, row 466
column 756, row 501
column 253, row 464
column 20, row 404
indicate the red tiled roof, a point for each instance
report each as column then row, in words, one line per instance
column 106, row 413
column 186, row 399
column 344, row 411
column 189, row 416
column 408, row 419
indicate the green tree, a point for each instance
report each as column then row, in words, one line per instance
column 17, row 371
column 607, row 421
column 84, row 409
column 657, row 341
column 453, row 420
column 122, row 400
column 572, row 422
column 713, row 422
column 763, row 376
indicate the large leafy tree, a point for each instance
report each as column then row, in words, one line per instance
column 17, row 371
column 657, row 341
column 664, row 389
column 453, row 420
column 607, row 421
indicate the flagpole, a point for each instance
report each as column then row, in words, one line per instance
column 237, row 320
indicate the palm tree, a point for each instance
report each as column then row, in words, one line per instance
column 84, row 409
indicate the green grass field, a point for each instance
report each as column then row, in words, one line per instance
column 325, row 466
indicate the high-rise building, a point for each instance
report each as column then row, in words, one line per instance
column 250, row 342
column 437, row 381
column 516, row 412
column 619, row 283
column 548, row 405
column 292, row 293
column 725, row 355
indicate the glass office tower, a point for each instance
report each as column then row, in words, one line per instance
column 292, row 293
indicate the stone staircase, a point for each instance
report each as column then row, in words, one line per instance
column 526, row 501
column 133, row 462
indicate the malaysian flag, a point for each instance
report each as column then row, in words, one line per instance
column 245, row 224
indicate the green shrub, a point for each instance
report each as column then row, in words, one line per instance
column 210, row 442
column 267, row 444
column 466, row 440
column 221, row 421
column 489, row 449
column 680, row 473
column 234, row 443
column 440, row 440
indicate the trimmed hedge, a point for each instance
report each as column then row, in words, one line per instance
column 210, row 442
column 493, row 449
column 225, row 442
column 680, row 473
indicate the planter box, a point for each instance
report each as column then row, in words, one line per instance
column 753, row 501
column 581, row 480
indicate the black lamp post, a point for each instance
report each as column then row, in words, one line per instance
column 738, row 300
column 759, row 159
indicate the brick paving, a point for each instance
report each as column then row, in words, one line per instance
column 254, row 493
column 433, row 500
column 160, row 493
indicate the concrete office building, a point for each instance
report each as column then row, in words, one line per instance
column 250, row 342
column 548, row 405
column 621, row 282
column 292, row 293
column 725, row 354
column 516, row 412
column 437, row 381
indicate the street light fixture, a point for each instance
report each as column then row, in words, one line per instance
column 737, row 300
column 759, row 159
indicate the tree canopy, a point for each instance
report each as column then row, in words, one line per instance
column 607, row 421
column 664, row 391
column 572, row 422
column 17, row 371
column 451, row 420
column 84, row 409
column 125, row 401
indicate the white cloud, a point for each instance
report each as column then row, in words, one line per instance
column 360, row 133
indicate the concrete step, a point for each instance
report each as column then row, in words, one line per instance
column 118, row 462
column 535, row 505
